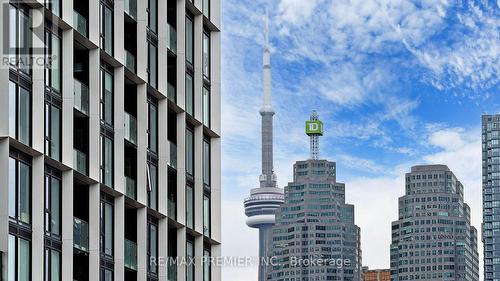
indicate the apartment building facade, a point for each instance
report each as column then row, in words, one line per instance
column 110, row 139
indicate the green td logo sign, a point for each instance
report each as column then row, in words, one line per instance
column 314, row 127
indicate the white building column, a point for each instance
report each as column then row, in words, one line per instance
column 4, row 204
column 37, row 218
column 142, row 244
column 94, row 231
column 67, row 225
column 94, row 120
column 68, row 97
column 142, row 142
column 118, row 126
column 119, row 238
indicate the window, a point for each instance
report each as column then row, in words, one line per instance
column 206, row 265
column 189, row 257
column 53, row 128
column 19, row 259
column 206, row 215
column 106, row 237
column 19, row 188
column 206, row 107
column 152, row 247
column 52, row 265
column 52, row 202
column 106, row 109
column 152, row 65
column 106, row 274
column 189, row 41
column 189, row 207
column 206, row 55
column 206, row 8
column 19, row 113
column 106, row 28
column 106, row 157
column 189, row 95
column 53, row 59
column 54, row 6
column 20, row 38
column 153, row 15
column 189, row 153
column 206, row 163
column 153, row 125
column 152, row 174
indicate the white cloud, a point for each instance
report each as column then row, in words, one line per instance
column 296, row 11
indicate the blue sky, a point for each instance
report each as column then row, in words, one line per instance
column 397, row 83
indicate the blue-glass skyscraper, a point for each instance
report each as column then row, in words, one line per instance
column 491, row 196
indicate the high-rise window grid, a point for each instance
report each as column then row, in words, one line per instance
column 99, row 145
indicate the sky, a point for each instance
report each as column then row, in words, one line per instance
column 396, row 82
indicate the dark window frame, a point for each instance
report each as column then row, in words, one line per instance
column 20, row 82
column 103, row 5
column 52, row 173
column 21, row 8
column 109, row 200
column 18, row 157
column 152, row 102
column 152, row 222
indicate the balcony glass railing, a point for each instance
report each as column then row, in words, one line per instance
column 81, row 97
column 130, row 255
column 130, row 126
column 80, row 23
column 80, row 159
column 129, row 61
column 131, row 8
column 130, row 187
column 171, row 92
column 172, row 270
column 172, row 39
column 172, row 209
column 80, row 234
column 173, row 155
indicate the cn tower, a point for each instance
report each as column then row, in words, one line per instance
column 263, row 201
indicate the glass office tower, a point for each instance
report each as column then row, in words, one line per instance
column 433, row 238
column 491, row 196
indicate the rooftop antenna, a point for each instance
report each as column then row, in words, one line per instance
column 314, row 129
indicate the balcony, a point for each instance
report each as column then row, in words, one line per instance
column 130, row 187
column 81, row 97
column 130, row 128
column 172, row 39
column 171, row 209
column 131, row 8
column 171, row 95
column 173, row 155
column 80, row 24
column 80, row 161
column 172, row 270
column 80, row 234
column 130, row 255
column 129, row 61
